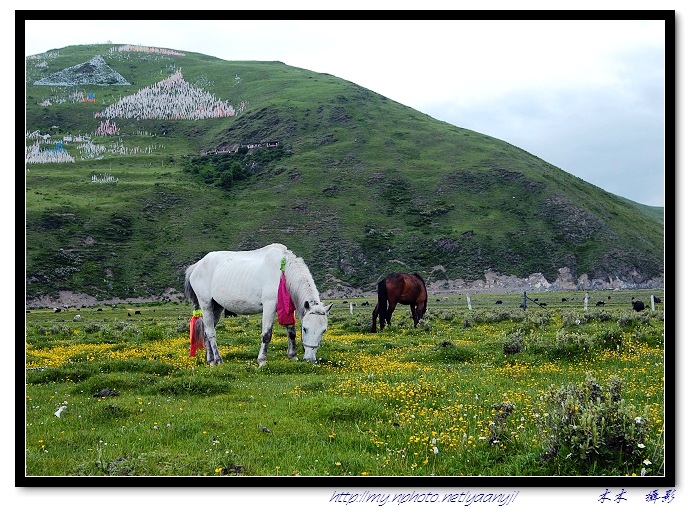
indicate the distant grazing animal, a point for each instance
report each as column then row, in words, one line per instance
column 563, row 300
column 657, row 300
column 399, row 288
column 247, row 283
column 638, row 306
column 499, row 302
column 600, row 303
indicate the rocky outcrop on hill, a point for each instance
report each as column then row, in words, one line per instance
column 496, row 283
column 93, row 72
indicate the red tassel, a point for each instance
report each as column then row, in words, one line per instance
column 196, row 335
column 285, row 308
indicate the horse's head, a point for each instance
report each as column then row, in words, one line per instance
column 421, row 309
column 314, row 325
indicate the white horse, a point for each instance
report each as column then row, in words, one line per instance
column 246, row 282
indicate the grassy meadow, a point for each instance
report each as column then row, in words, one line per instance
column 492, row 391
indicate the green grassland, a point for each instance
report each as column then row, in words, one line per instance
column 467, row 393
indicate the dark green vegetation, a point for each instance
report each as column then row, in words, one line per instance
column 493, row 391
column 358, row 185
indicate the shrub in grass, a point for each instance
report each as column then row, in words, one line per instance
column 598, row 315
column 356, row 323
column 591, row 429
column 153, row 333
column 515, row 342
column 572, row 318
column 573, row 344
column 651, row 337
column 609, row 338
column 93, row 327
column 445, row 314
column 498, row 426
column 498, row 315
column 60, row 330
column 131, row 329
column 538, row 318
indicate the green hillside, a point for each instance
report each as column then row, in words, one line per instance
column 357, row 184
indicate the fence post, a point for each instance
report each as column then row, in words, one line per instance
column 524, row 300
column 652, row 302
column 586, row 300
column 469, row 302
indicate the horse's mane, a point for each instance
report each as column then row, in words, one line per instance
column 420, row 279
column 300, row 283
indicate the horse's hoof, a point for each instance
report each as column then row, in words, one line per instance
column 261, row 362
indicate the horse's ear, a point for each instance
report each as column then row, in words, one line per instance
column 328, row 308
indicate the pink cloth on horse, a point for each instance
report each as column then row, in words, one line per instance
column 285, row 308
column 196, row 336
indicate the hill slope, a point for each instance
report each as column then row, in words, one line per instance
column 355, row 183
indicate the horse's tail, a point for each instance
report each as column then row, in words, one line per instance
column 383, row 303
column 188, row 290
column 196, row 323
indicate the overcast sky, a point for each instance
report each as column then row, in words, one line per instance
column 586, row 96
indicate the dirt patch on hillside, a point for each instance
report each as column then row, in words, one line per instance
column 68, row 299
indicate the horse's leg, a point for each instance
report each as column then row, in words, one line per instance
column 266, row 332
column 389, row 313
column 415, row 317
column 210, row 315
column 373, row 318
column 292, row 347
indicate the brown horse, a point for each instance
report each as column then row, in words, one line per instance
column 399, row 288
